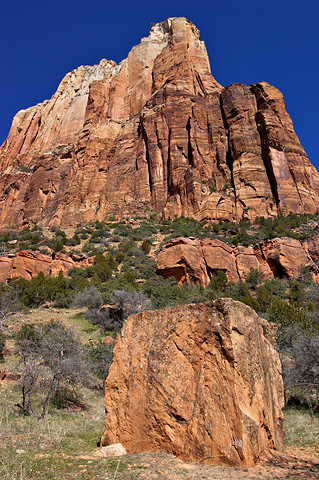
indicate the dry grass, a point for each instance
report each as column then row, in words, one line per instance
column 61, row 445
column 299, row 430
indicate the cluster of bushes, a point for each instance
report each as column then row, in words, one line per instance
column 246, row 233
column 111, row 317
column 26, row 238
column 97, row 237
column 54, row 363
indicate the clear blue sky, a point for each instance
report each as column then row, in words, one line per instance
column 247, row 41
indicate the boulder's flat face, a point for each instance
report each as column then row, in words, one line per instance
column 156, row 132
column 200, row 381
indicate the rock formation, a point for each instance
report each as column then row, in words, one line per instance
column 187, row 260
column 28, row 264
column 197, row 260
column 156, row 132
column 200, row 381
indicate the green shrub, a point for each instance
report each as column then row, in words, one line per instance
column 264, row 298
column 237, row 290
column 165, row 293
column 146, row 247
column 51, row 357
column 75, row 240
column 254, row 278
column 218, row 281
column 100, row 359
column 101, row 266
column 276, row 286
column 2, row 345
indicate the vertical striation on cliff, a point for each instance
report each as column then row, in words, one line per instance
column 155, row 132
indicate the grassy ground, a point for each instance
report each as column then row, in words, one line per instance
column 61, row 445
column 299, row 429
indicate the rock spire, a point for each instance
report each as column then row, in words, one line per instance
column 156, row 132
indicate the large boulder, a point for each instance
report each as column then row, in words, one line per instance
column 200, row 381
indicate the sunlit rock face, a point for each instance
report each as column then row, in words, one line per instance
column 196, row 261
column 156, row 132
column 200, row 381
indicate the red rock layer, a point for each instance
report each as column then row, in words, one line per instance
column 197, row 260
column 28, row 264
column 201, row 381
column 154, row 132
column 188, row 260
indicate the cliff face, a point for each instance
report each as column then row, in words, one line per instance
column 154, row 132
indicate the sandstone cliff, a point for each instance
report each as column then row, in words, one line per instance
column 200, row 381
column 154, row 132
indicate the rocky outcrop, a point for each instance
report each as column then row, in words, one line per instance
column 188, row 260
column 28, row 264
column 197, row 260
column 201, row 381
column 154, row 132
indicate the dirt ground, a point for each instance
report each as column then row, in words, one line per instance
column 296, row 463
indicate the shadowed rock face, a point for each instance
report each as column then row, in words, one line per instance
column 154, row 132
column 200, row 381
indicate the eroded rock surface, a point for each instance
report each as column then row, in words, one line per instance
column 28, row 264
column 200, row 381
column 197, row 260
column 188, row 260
column 155, row 132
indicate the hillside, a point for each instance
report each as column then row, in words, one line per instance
column 141, row 186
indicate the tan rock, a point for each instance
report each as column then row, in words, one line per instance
column 294, row 181
column 284, row 256
column 116, row 450
column 246, row 260
column 109, row 340
column 219, row 256
column 251, row 183
column 5, row 268
column 201, row 381
column 9, row 377
column 180, row 259
column 197, row 260
column 28, row 264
